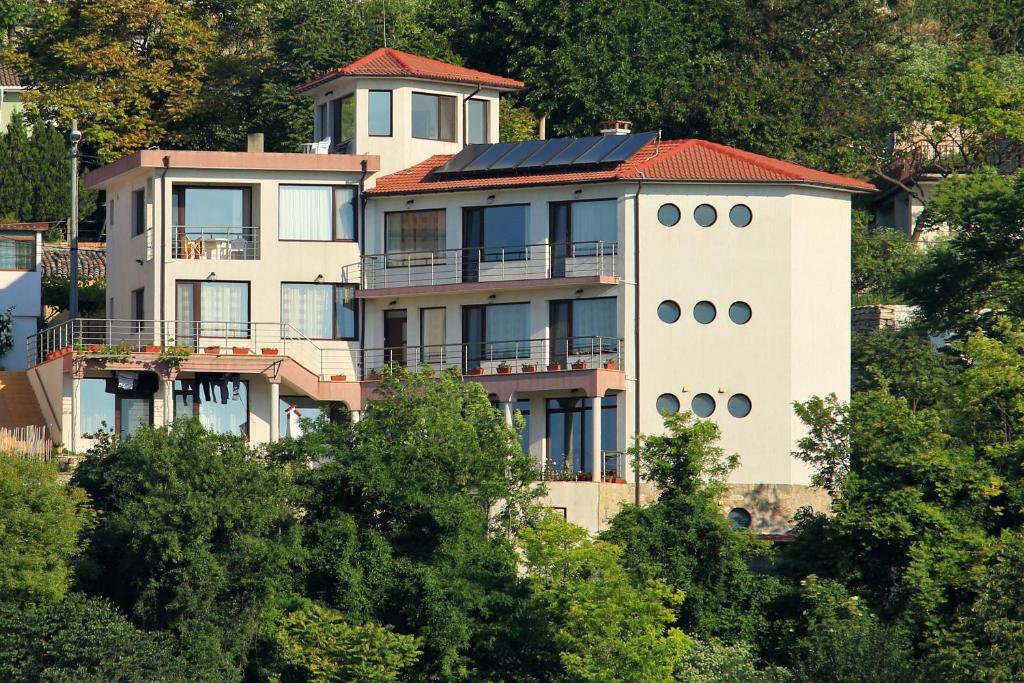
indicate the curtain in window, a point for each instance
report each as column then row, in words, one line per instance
column 304, row 212
column 594, row 222
column 507, row 331
column 17, row 254
column 593, row 318
column 224, row 309
column 345, row 311
column 424, row 116
column 345, row 217
column 415, row 238
column 307, row 308
column 184, row 313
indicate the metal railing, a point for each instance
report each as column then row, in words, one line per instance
column 216, row 242
column 612, row 463
column 113, row 338
column 613, row 466
column 496, row 358
column 489, row 264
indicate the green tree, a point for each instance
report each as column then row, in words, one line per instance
column 906, row 364
column 406, row 524
column 606, row 626
column 881, row 257
column 83, row 640
column 331, row 650
column 684, row 539
column 717, row 662
column 196, row 536
column 40, row 520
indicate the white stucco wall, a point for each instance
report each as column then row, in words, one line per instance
column 21, row 291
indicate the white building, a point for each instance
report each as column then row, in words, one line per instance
column 589, row 283
column 20, row 285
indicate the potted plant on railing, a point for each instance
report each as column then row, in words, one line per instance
column 475, row 372
column 504, row 368
column 339, row 378
column 268, row 351
column 554, row 366
column 579, row 364
column 151, row 348
column 611, row 365
column 240, row 350
column 584, row 476
column 174, row 356
column 120, row 352
column 528, row 367
column 212, row 350
column 373, row 375
column 613, row 479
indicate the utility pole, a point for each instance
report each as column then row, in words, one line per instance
column 74, row 138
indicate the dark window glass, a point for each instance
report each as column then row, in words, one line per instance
column 498, row 233
column 380, row 113
column 668, row 311
column 567, row 442
column 740, row 216
column 138, row 212
column 739, row 312
column 477, row 122
column 703, row 405
column 343, row 119
column 668, row 215
column 704, row 312
column 705, row 215
column 739, row 405
column 667, row 404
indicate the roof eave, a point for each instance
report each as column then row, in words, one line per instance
column 324, row 80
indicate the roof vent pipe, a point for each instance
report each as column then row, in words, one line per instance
column 255, row 143
column 616, row 128
column 542, row 127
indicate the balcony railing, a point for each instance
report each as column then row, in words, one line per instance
column 489, row 264
column 216, row 242
column 613, row 469
column 106, row 338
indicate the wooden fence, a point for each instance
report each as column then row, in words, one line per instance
column 27, row 441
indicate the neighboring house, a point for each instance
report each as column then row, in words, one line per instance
column 92, row 271
column 10, row 96
column 20, row 285
column 589, row 283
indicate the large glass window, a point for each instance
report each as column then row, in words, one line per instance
column 310, row 409
column 215, row 309
column 107, row 408
column 495, row 233
column 414, row 238
column 496, row 332
column 205, row 215
column 433, row 117
column 320, row 311
column 432, row 335
column 316, row 212
column 568, row 450
column 221, row 402
column 583, row 327
column 586, row 228
column 18, row 253
column 477, row 120
column 138, row 212
column 380, row 113
column 523, row 407
column 343, row 120
column 96, row 407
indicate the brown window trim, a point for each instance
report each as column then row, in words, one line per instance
column 455, row 117
column 391, row 115
column 197, row 305
column 334, row 308
column 334, row 213
column 487, row 118
column 35, row 253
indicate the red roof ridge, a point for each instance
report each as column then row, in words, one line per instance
column 389, row 62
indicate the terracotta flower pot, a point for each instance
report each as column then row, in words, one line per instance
column 529, row 368
column 269, row 352
column 474, row 372
column 554, row 366
column 213, row 350
column 504, row 371
column 611, row 365
column 240, row 350
column 335, row 378
column 373, row 377
column 51, row 355
column 66, row 351
column 579, row 365
column 151, row 349
column 94, row 348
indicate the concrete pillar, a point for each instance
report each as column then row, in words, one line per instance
column 76, row 412
column 507, row 409
column 356, row 416
column 275, row 412
column 595, row 436
column 167, row 386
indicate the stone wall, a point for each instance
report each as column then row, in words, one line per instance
column 866, row 319
column 772, row 506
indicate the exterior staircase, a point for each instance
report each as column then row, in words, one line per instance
column 18, row 405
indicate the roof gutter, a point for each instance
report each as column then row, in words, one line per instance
column 163, row 239
column 636, row 336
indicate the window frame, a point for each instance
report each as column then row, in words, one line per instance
column 35, row 253
column 483, row 248
column 572, row 351
column 487, row 119
column 334, row 307
column 138, row 212
column 334, row 212
column 336, row 116
column 553, row 208
column 197, row 307
column 484, row 341
column 118, row 410
column 391, row 114
column 179, row 195
column 406, row 259
column 455, row 117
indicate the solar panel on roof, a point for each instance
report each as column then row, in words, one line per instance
column 597, row 153
column 484, row 161
column 629, row 147
column 463, row 158
column 573, row 151
column 550, row 149
column 518, row 155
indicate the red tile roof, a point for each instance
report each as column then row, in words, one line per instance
column 23, row 226
column 9, row 78
column 394, row 63
column 670, row 160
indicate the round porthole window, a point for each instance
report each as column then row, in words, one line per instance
column 704, row 312
column 739, row 405
column 739, row 312
column 668, row 215
column 668, row 311
column 740, row 215
column 703, row 405
column 739, row 518
column 705, row 215
column 667, row 404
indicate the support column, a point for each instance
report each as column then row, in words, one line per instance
column 275, row 412
column 76, row 409
column 168, row 392
column 595, row 436
column 507, row 410
column 356, row 416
